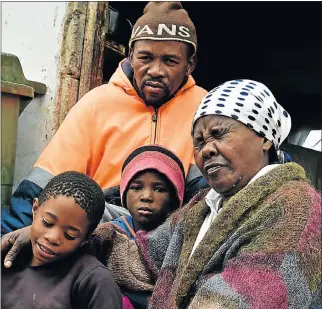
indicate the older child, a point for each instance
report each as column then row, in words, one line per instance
column 152, row 187
column 55, row 273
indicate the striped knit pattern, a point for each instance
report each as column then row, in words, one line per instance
column 263, row 250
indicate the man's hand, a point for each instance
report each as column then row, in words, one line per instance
column 14, row 242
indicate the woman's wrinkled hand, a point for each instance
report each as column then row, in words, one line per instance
column 13, row 243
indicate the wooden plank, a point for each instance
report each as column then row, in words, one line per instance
column 94, row 41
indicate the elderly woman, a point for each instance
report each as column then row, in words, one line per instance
column 253, row 240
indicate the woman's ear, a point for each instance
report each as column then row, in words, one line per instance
column 35, row 206
column 267, row 144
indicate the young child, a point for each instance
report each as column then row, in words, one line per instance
column 55, row 273
column 152, row 187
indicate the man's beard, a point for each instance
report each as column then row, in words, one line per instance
column 154, row 103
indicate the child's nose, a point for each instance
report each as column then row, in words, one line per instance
column 53, row 237
column 147, row 195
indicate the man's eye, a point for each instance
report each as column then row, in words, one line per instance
column 144, row 58
column 46, row 223
column 171, row 61
column 70, row 237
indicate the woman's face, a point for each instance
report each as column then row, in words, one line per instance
column 228, row 153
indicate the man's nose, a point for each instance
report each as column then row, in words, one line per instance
column 156, row 69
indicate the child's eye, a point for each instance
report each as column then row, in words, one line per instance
column 160, row 189
column 46, row 223
column 70, row 237
column 135, row 187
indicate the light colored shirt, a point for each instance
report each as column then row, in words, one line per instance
column 214, row 201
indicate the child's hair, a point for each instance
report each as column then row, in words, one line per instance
column 154, row 158
column 84, row 190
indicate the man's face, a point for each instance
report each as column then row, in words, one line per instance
column 159, row 68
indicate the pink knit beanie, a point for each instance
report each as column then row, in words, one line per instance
column 154, row 157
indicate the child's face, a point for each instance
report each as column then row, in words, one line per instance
column 148, row 200
column 59, row 227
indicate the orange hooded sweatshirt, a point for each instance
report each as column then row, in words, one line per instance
column 109, row 122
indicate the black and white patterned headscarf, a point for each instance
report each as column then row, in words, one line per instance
column 251, row 103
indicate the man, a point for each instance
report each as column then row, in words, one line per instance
column 150, row 99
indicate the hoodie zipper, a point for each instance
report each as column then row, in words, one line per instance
column 155, row 120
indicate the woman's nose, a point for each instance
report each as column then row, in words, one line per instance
column 209, row 150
